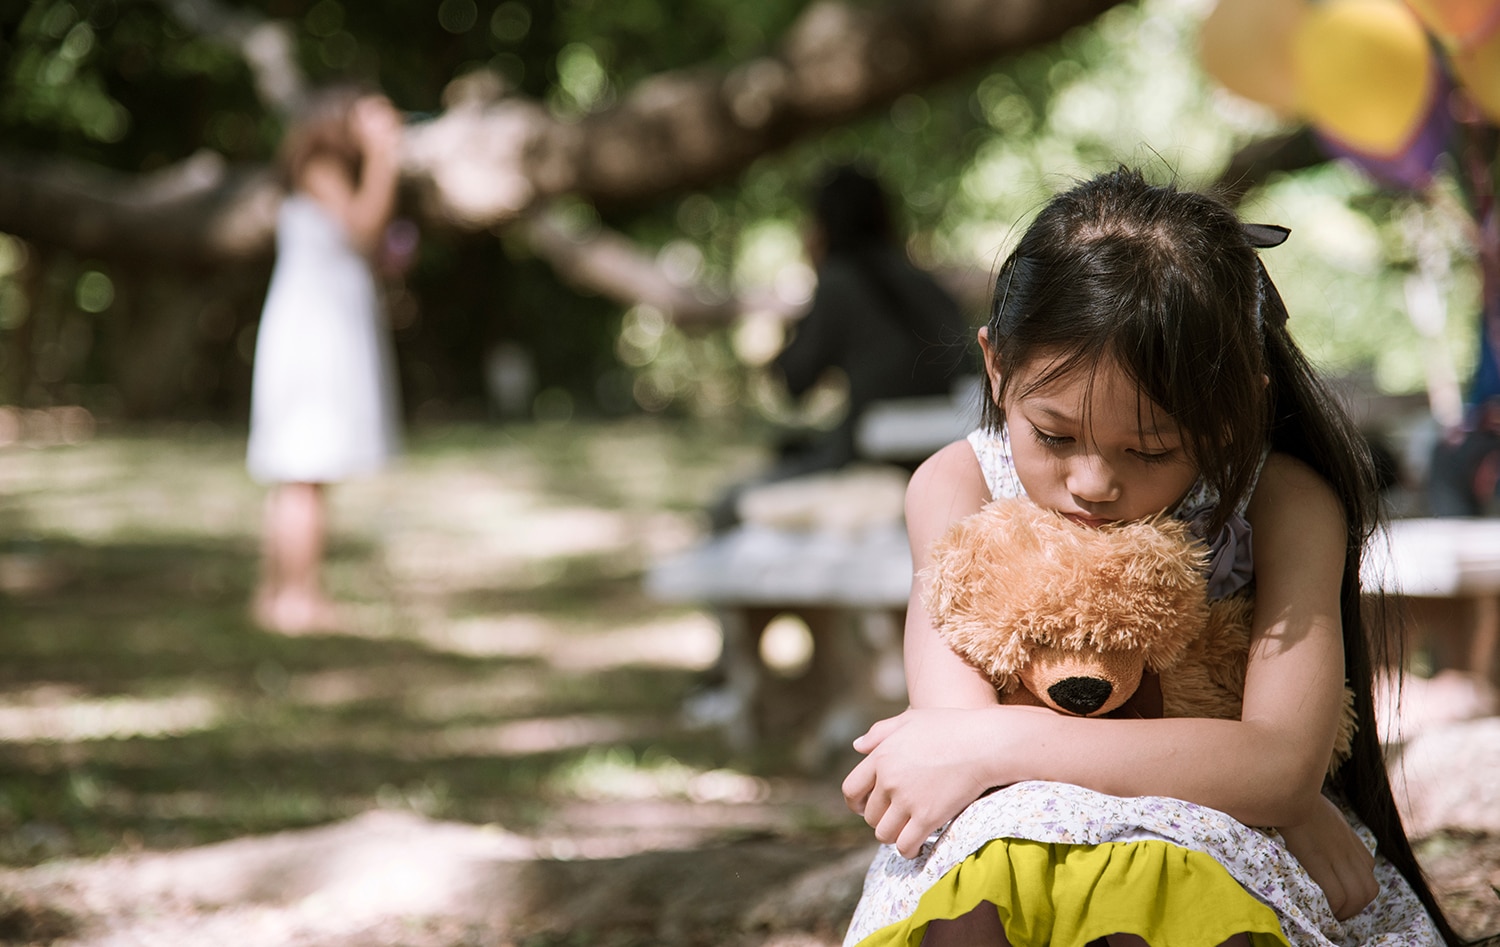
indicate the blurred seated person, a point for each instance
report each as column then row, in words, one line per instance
column 875, row 316
column 1464, row 476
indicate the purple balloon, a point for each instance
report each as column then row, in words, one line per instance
column 1413, row 166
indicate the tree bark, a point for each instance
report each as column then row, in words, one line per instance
column 197, row 213
column 1253, row 164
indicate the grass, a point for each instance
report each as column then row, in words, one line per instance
column 505, row 665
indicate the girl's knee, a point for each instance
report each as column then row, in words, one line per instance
column 980, row 927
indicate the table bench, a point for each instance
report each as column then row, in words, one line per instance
column 850, row 589
column 831, row 550
column 1435, row 564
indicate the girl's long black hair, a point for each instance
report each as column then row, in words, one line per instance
column 1167, row 283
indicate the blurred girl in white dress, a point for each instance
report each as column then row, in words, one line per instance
column 323, row 395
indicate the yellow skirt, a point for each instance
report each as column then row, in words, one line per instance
column 1063, row 866
column 1060, row 895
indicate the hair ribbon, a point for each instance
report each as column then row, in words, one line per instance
column 1265, row 236
column 1269, row 307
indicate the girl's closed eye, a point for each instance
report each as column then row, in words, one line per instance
column 1046, row 439
column 1049, row 440
column 1156, row 457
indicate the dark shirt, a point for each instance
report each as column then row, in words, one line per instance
column 891, row 329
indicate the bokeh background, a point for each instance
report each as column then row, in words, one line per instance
column 598, row 252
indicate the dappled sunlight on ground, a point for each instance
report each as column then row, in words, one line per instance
column 111, row 488
column 618, row 776
column 51, row 714
column 494, row 752
column 689, row 642
column 502, row 664
column 504, row 692
column 527, row 737
column 504, row 699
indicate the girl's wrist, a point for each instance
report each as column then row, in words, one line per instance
column 1019, row 743
column 994, row 742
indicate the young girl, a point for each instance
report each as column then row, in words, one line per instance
column 1139, row 363
column 323, row 398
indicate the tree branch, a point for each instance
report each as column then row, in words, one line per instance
column 1254, row 164
column 615, row 266
column 487, row 163
column 196, row 213
column 493, row 162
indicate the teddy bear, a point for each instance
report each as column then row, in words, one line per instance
column 1070, row 617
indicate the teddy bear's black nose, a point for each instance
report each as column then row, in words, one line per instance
column 1080, row 695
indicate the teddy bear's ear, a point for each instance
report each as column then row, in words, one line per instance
column 1158, row 589
column 978, row 593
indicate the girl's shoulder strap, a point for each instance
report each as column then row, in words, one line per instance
column 1231, row 563
column 992, row 450
column 1203, row 497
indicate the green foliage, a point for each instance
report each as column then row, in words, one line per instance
column 121, row 84
column 1353, row 250
column 125, row 85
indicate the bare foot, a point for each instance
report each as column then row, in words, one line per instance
column 262, row 606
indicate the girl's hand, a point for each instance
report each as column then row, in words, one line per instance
column 921, row 769
column 377, row 124
column 1336, row 858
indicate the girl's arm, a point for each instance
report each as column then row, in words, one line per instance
column 365, row 209
column 913, row 801
column 1264, row 769
column 946, row 488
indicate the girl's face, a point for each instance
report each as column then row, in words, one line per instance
column 1094, row 448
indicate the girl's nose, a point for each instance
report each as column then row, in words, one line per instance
column 1092, row 480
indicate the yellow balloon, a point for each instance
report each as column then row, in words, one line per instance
column 1460, row 24
column 1478, row 71
column 1246, row 45
column 1365, row 73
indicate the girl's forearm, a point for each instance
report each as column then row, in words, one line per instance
column 374, row 202
column 936, row 677
column 1240, row 768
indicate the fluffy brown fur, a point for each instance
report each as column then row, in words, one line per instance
column 1069, row 617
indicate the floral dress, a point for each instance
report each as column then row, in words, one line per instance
column 1065, row 865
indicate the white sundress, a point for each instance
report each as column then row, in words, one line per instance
column 1061, row 857
column 323, row 395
